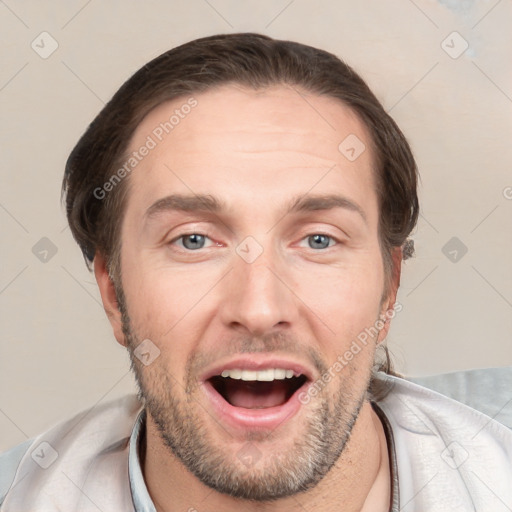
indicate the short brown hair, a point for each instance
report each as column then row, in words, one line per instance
column 248, row 59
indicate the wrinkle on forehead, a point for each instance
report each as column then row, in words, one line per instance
column 320, row 124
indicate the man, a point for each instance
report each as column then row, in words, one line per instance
column 245, row 204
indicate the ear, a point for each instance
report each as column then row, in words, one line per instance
column 389, row 302
column 108, row 297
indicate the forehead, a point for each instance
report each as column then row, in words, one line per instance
column 234, row 108
column 266, row 142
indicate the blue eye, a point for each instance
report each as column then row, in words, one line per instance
column 193, row 241
column 319, row 241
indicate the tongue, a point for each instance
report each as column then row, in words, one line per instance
column 255, row 394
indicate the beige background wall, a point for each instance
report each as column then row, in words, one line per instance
column 57, row 354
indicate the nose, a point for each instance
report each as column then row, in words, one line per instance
column 258, row 297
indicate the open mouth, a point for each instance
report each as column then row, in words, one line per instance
column 255, row 392
column 257, row 389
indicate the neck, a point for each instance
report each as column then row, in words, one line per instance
column 358, row 482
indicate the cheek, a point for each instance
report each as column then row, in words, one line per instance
column 347, row 298
column 168, row 306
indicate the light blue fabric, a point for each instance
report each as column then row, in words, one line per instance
column 9, row 462
column 141, row 499
column 486, row 390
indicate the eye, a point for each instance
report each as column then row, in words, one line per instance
column 319, row 241
column 192, row 241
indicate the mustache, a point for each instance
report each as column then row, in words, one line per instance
column 271, row 343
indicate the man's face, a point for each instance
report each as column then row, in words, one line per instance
column 250, row 254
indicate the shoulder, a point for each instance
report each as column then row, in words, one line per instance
column 448, row 454
column 87, row 448
column 488, row 390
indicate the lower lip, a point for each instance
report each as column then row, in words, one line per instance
column 268, row 418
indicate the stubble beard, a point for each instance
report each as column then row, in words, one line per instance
column 179, row 418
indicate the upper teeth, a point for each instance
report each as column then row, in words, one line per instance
column 263, row 375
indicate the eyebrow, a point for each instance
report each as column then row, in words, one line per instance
column 209, row 203
column 308, row 203
column 184, row 203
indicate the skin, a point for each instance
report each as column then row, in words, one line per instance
column 256, row 151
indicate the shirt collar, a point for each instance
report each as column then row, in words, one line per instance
column 141, row 500
column 393, row 465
